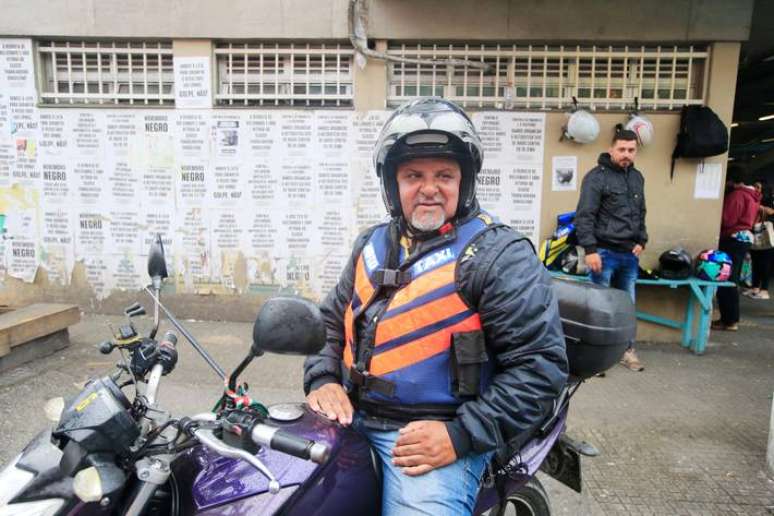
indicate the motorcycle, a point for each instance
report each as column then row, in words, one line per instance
column 116, row 453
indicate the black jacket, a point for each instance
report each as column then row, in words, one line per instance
column 512, row 293
column 611, row 208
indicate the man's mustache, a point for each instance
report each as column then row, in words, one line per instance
column 428, row 200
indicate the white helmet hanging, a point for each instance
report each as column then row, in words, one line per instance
column 640, row 126
column 581, row 127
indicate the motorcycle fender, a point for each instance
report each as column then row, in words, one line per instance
column 40, row 454
column 42, row 458
column 563, row 463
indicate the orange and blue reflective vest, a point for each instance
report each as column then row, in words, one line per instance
column 414, row 333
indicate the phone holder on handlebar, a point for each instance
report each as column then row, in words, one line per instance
column 149, row 353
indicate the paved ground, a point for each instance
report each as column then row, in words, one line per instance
column 685, row 437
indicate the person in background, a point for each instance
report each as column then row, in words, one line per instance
column 610, row 221
column 761, row 258
column 740, row 211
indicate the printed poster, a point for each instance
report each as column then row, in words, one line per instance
column 267, row 200
column 564, row 173
column 709, row 180
column 193, row 84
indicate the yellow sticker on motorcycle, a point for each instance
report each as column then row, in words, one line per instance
column 86, row 402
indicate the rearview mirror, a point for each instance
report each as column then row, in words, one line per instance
column 157, row 264
column 288, row 325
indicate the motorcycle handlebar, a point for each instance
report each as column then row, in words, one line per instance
column 152, row 388
column 276, row 439
column 166, row 360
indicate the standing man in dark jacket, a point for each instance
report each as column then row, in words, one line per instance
column 610, row 221
column 444, row 342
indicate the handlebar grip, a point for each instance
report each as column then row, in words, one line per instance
column 168, row 351
column 169, row 338
column 276, row 439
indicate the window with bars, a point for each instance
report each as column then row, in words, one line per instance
column 548, row 76
column 106, row 72
column 273, row 74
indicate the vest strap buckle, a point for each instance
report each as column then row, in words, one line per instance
column 392, row 277
column 369, row 382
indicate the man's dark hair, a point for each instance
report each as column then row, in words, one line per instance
column 623, row 135
column 735, row 173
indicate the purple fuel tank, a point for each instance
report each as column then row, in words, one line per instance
column 346, row 484
column 209, row 484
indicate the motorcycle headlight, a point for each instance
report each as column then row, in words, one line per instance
column 38, row 508
column 53, row 409
column 87, row 485
column 12, row 481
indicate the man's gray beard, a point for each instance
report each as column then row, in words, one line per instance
column 428, row 222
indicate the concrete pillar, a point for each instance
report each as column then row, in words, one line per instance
column 721, row 89
column 770, row 452
column 371, row 82
column 197, row 48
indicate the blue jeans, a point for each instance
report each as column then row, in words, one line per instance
column 619, row 270
column 451, row 490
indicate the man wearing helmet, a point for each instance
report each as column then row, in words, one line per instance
column 444, row 342
column 610, row 221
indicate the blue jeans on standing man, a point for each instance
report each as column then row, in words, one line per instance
column 451, row 490
column 619, row 270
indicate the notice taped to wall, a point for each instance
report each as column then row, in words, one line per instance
column 192, row 82
column 564, row 173
column 709, row 179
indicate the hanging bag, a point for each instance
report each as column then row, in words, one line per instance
column 702, row 134
column 763, row 235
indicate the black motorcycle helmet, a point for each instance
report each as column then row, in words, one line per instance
column 574, row 261
column 428, row 127
column 675, row 264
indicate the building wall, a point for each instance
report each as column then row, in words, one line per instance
column 658, row 20
column 681, row 20
column 674, row 216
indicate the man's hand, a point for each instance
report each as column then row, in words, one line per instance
column 331, row 400
column 423, row 446
column 637, row 251
column 594, row 262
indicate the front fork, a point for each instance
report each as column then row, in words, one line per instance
column 152, row 474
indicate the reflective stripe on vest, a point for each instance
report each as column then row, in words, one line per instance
column 414, row 334
column 363, row 291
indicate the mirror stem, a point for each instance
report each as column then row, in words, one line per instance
column 190, row 338
column 156, row 282
column 241, row 367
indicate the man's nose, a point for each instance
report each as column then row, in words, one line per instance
column 429, row 188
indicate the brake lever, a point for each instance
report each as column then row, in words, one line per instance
column 207, row 438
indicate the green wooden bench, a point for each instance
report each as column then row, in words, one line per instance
column 702, row 292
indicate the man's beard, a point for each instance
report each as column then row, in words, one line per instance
column 428, row 221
